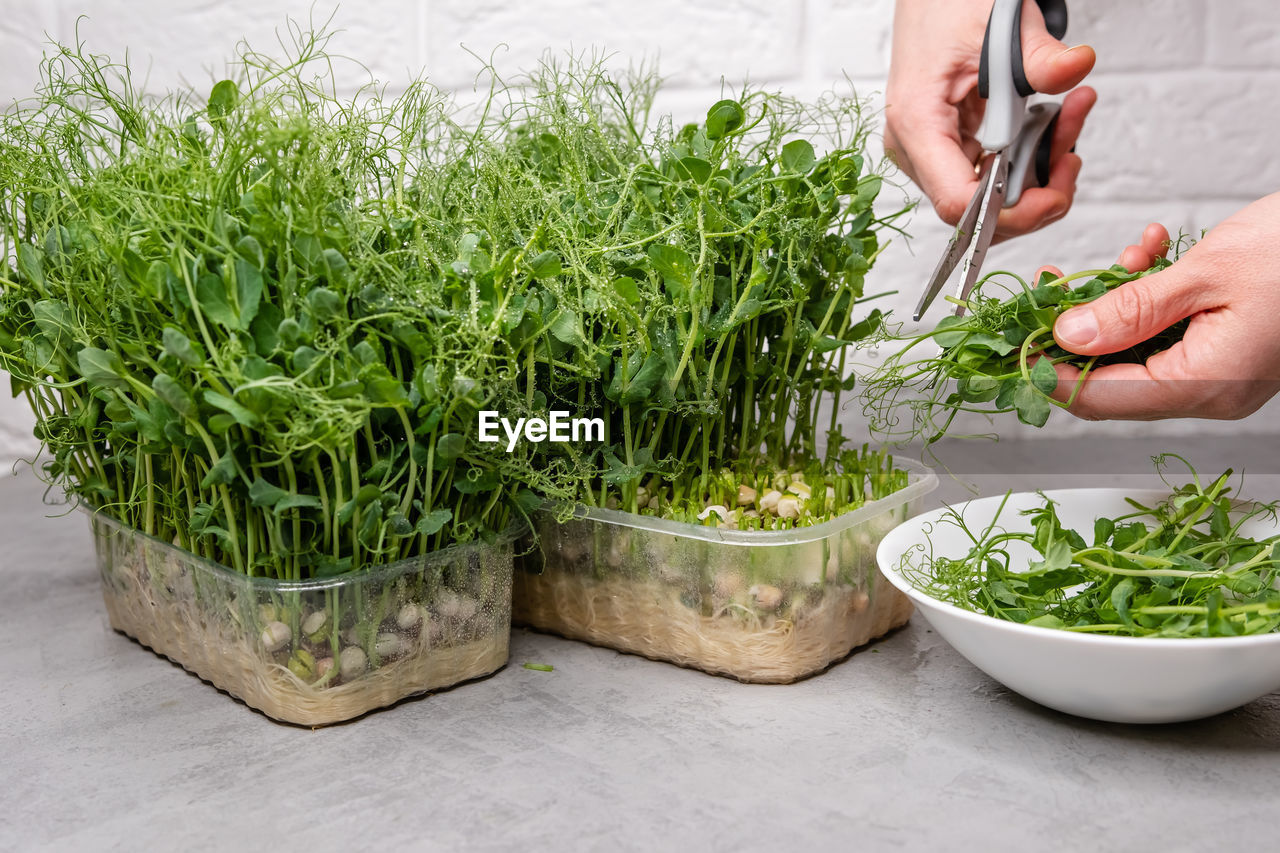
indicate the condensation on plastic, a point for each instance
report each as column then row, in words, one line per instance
column 767, row 606
column 398, row 630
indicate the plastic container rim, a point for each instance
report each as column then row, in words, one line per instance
column 891, row 573
column 376, row 573
column 921, row 481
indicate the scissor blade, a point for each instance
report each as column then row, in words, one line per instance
column 985, row 228
column 956, row 246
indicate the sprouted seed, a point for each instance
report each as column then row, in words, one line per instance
column 756, row 496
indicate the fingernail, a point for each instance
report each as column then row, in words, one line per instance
column 1076, row 328
column 1073, row 47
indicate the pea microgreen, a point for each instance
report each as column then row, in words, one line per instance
column 997, row 357
column 1180, row 568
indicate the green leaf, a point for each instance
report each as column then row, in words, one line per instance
column 1121, row 596
column 567, row 327
column 222, row 472
column 250, row 249
column 626, row 287
column 431, row 523
column 31, row 264
column 211, row 293
column 171, row 392
column 868, row 189
column 54, row 320
column 695, row 168
column 101, row 367
column 645, row 380
column 298, row 502
column 450, row 446
column 545, row 265
column 239, row 413
column 1044, row 377
column 324, row 303
column 798, row 156
column 675, row 266
column 723, row 118
column 248, row 291
column 827, row 344
column 264, row 494
column 1031, row 405
column 223, row 98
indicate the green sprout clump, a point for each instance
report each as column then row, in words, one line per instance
column 248, row 323
column 997, row 357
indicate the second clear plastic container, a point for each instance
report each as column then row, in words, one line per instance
column 768, row 606
column 320, row 651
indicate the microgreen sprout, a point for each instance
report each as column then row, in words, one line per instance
column 1179, row 568
column 997, row 357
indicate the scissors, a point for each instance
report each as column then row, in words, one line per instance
column 1016, row 141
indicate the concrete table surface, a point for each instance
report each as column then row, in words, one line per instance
column 104, row 745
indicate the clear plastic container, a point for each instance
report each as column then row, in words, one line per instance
column 766, row 606
column 313, row 652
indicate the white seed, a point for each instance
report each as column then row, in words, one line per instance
column 770, row 500
column 454, row 606
column 266, row 613
column 276, row 636
column 746, row 495
column 788, row 508
column 391, row 646
column 797, row 477
column 467, row 607
column 751, row 513
column 767, row 596
column 323, row 666
column 315, row 623
column 410, row 617
column 800, row 489
column 352, row 663
column 720, row 511
column 611, row 502
column 642, row 495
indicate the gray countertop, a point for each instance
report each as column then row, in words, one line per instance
column 105, row 745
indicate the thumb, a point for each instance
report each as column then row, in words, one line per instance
column 1134, row 312
column 1051, row 67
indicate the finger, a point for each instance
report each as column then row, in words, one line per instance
column 1141, row 255
column 945, row 173
column 1051, row 270
column 1040, row 206
column 1051, row 67
column 1136, row 311
column 1076, row 107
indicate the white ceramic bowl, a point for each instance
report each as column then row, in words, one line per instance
column 1119, row 679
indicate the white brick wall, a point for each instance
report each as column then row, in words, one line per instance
column 1183, row 132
